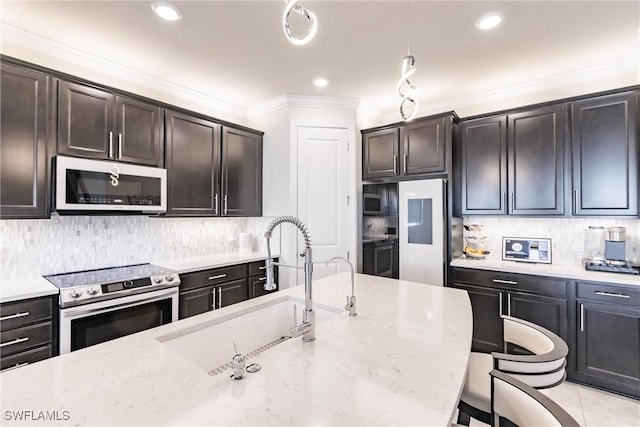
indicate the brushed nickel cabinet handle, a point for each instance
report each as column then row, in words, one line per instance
column 612, row 294
column 508, row 304
column 215, row 203
column 213, row 292
column 110, row 145
column 575, row 201
column 581, row 317
column 219, row 276
column 505, row 282
column 220, row 297
column 500, row 304
column 119, row 146
column 14, row 316
column 405, row 162
column 395, row 164
column 262, row 278
column 225, row 205
column 16, row 341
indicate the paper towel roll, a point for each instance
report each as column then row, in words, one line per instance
column 245, row 243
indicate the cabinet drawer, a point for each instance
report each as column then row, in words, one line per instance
column 521, row 282
column 20, row 313
column 26, row 358
column 257, row 268
column 602, row 292
column 19, row 339
column 212, row 277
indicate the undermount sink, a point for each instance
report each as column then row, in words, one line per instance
column 210, row 344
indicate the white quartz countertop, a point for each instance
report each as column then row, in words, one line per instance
column 25, row 287
column 401, row 361
column 565, row 271
column 185, row 265
column 37, row 286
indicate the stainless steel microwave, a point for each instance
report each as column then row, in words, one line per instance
column 102, row 186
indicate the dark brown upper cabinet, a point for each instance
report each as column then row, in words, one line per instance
column 24, row 139
column 212, row 170
column 241, row 168
column 380, row 153
column 418, row 148
column 536, row 162
column 514, row 164
column 193, row 166
column 423, row 146
column 604, row 151
column 99, row 124
column 484, row 166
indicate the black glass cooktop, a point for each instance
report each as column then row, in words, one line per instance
column 106, row 275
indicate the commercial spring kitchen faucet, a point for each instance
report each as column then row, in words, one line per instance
column 308, row 326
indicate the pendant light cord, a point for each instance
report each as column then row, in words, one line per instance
column 408, row 30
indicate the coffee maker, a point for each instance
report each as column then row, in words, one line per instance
column 605, row 249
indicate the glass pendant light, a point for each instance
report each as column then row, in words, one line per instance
column 293, row 6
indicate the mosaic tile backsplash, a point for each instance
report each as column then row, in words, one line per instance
column 568, row 235
column 73, row 243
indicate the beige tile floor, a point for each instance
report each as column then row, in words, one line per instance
column 592, row 407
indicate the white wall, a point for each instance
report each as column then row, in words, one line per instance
column 280, row 168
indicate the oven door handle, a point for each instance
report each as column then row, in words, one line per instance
column 117, row 306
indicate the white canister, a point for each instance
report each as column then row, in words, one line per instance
column 245, row 242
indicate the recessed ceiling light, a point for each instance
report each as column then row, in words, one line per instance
column 166, row 10
column 489, row 20
column 320, row 82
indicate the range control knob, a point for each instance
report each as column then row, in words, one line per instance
column 128, row 284
column 157, row 279
column 93, row 290
column 75, row 293
column 170, row 277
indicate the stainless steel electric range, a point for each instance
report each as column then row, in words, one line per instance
column 109, row 303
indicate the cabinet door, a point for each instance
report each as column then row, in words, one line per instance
column 487, row 324
column 140, row 132
column 548, row 312
column 232, row 292
column 85, row 121
column 24, row 135
column 380, row 153
column 484, row 166
column 196, row 302
column 536, row 162
column 241, row 173
column 608, row 352
column 392, row 199
column 192, row 161
column 424, row 147
column 604, row 145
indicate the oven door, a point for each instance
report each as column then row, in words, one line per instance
column 90, row 324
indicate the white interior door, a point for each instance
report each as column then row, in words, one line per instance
column 421, row 234
column 322, row 195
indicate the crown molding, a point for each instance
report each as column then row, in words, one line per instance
column 558, row 81
column 45, row 46
column 302, row 101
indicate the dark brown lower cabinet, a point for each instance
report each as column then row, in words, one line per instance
column 608, row 337
column 487, row 325
column 29, row 331
column 208, row 290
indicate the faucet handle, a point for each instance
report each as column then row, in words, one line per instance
column 238, row 364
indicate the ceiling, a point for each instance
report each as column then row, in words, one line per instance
column 235, row 51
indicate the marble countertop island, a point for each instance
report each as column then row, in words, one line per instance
column 401, row 361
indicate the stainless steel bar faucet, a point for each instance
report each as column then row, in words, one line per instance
column 351, row 300
column 308, row 326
